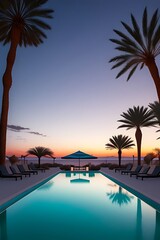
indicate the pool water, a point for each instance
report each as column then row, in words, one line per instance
column 80, row 206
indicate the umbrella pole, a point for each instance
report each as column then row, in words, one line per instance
column 79, row 163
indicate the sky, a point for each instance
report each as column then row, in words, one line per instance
column 64, row 95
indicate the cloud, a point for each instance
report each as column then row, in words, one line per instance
column 37, row 133
column 16, row 128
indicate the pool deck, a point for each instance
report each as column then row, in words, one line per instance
column 10, row 189
column 148, row 189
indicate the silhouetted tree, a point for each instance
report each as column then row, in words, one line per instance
column 20, row 24
column 137, row 117
column 139, row 47
column 155, row 107
column 119, row 142
column 40, row 152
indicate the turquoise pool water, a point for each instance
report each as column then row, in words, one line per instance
column 80, row 206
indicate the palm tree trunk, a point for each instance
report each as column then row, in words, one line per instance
column 119, row 157
column 155, row 74
column 7, row 82
column 39, row 162
column 138, row 136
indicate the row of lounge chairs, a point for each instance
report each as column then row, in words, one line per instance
column 140, row 171
column 19, row 170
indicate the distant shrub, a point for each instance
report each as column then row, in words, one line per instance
column 65, row 167
column 149, row 157
column 94, row 167
column 13, row 159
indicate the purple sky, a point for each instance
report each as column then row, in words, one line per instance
column 64, row 94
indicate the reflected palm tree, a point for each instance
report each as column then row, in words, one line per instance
column 120, row 197
column 157, row 226
column 139, row 220
column 46, row 186
column 3, row 226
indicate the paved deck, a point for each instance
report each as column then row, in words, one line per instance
column 148, row 189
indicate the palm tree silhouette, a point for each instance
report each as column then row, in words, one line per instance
column 157, row 228
column 139, row 220
column 3, row 225
column 40, row 152
column 119, row 197
column 137, row 117
column 139, row 48
column 119, row 142
column 20, row 24
column 155, row 107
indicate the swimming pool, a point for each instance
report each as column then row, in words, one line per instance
column 80, row 206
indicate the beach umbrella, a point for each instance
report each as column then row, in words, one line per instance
column 79, row 155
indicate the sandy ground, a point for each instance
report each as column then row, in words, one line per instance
column 148, row 189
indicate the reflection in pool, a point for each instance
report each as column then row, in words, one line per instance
column 98, row 210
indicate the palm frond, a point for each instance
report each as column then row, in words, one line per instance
column 145, row 23
column 153, row 24
column 132, row 72
column 27, row 15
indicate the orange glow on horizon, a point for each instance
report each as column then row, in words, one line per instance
column 103, row 154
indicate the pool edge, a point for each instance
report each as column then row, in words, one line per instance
column 138, row 194
column 22, row 194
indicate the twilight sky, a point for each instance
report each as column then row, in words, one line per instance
column 64, row 94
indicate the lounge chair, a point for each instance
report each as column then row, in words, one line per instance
column 4, row 173
column 32, row 167
column 16, row 170
column 153, row 172
column 133, row 169
column 128, row 167
column 143, row 170
column 22, row 170
column 26, row 168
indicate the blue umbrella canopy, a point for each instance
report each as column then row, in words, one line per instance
column 79, row 155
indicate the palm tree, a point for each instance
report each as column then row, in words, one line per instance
column 20, row 24
column 137, row 117
column 139, row 48
column 40, row 152
column 119, row 142
column 156, row 112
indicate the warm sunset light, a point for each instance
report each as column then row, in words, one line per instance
column 80, row 120
column 69, row 99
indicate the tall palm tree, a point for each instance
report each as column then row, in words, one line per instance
column 40, row 152
column 156, row 111
column 119, row 142
column 139, row 47
column 20, row 24
column 137, row 117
